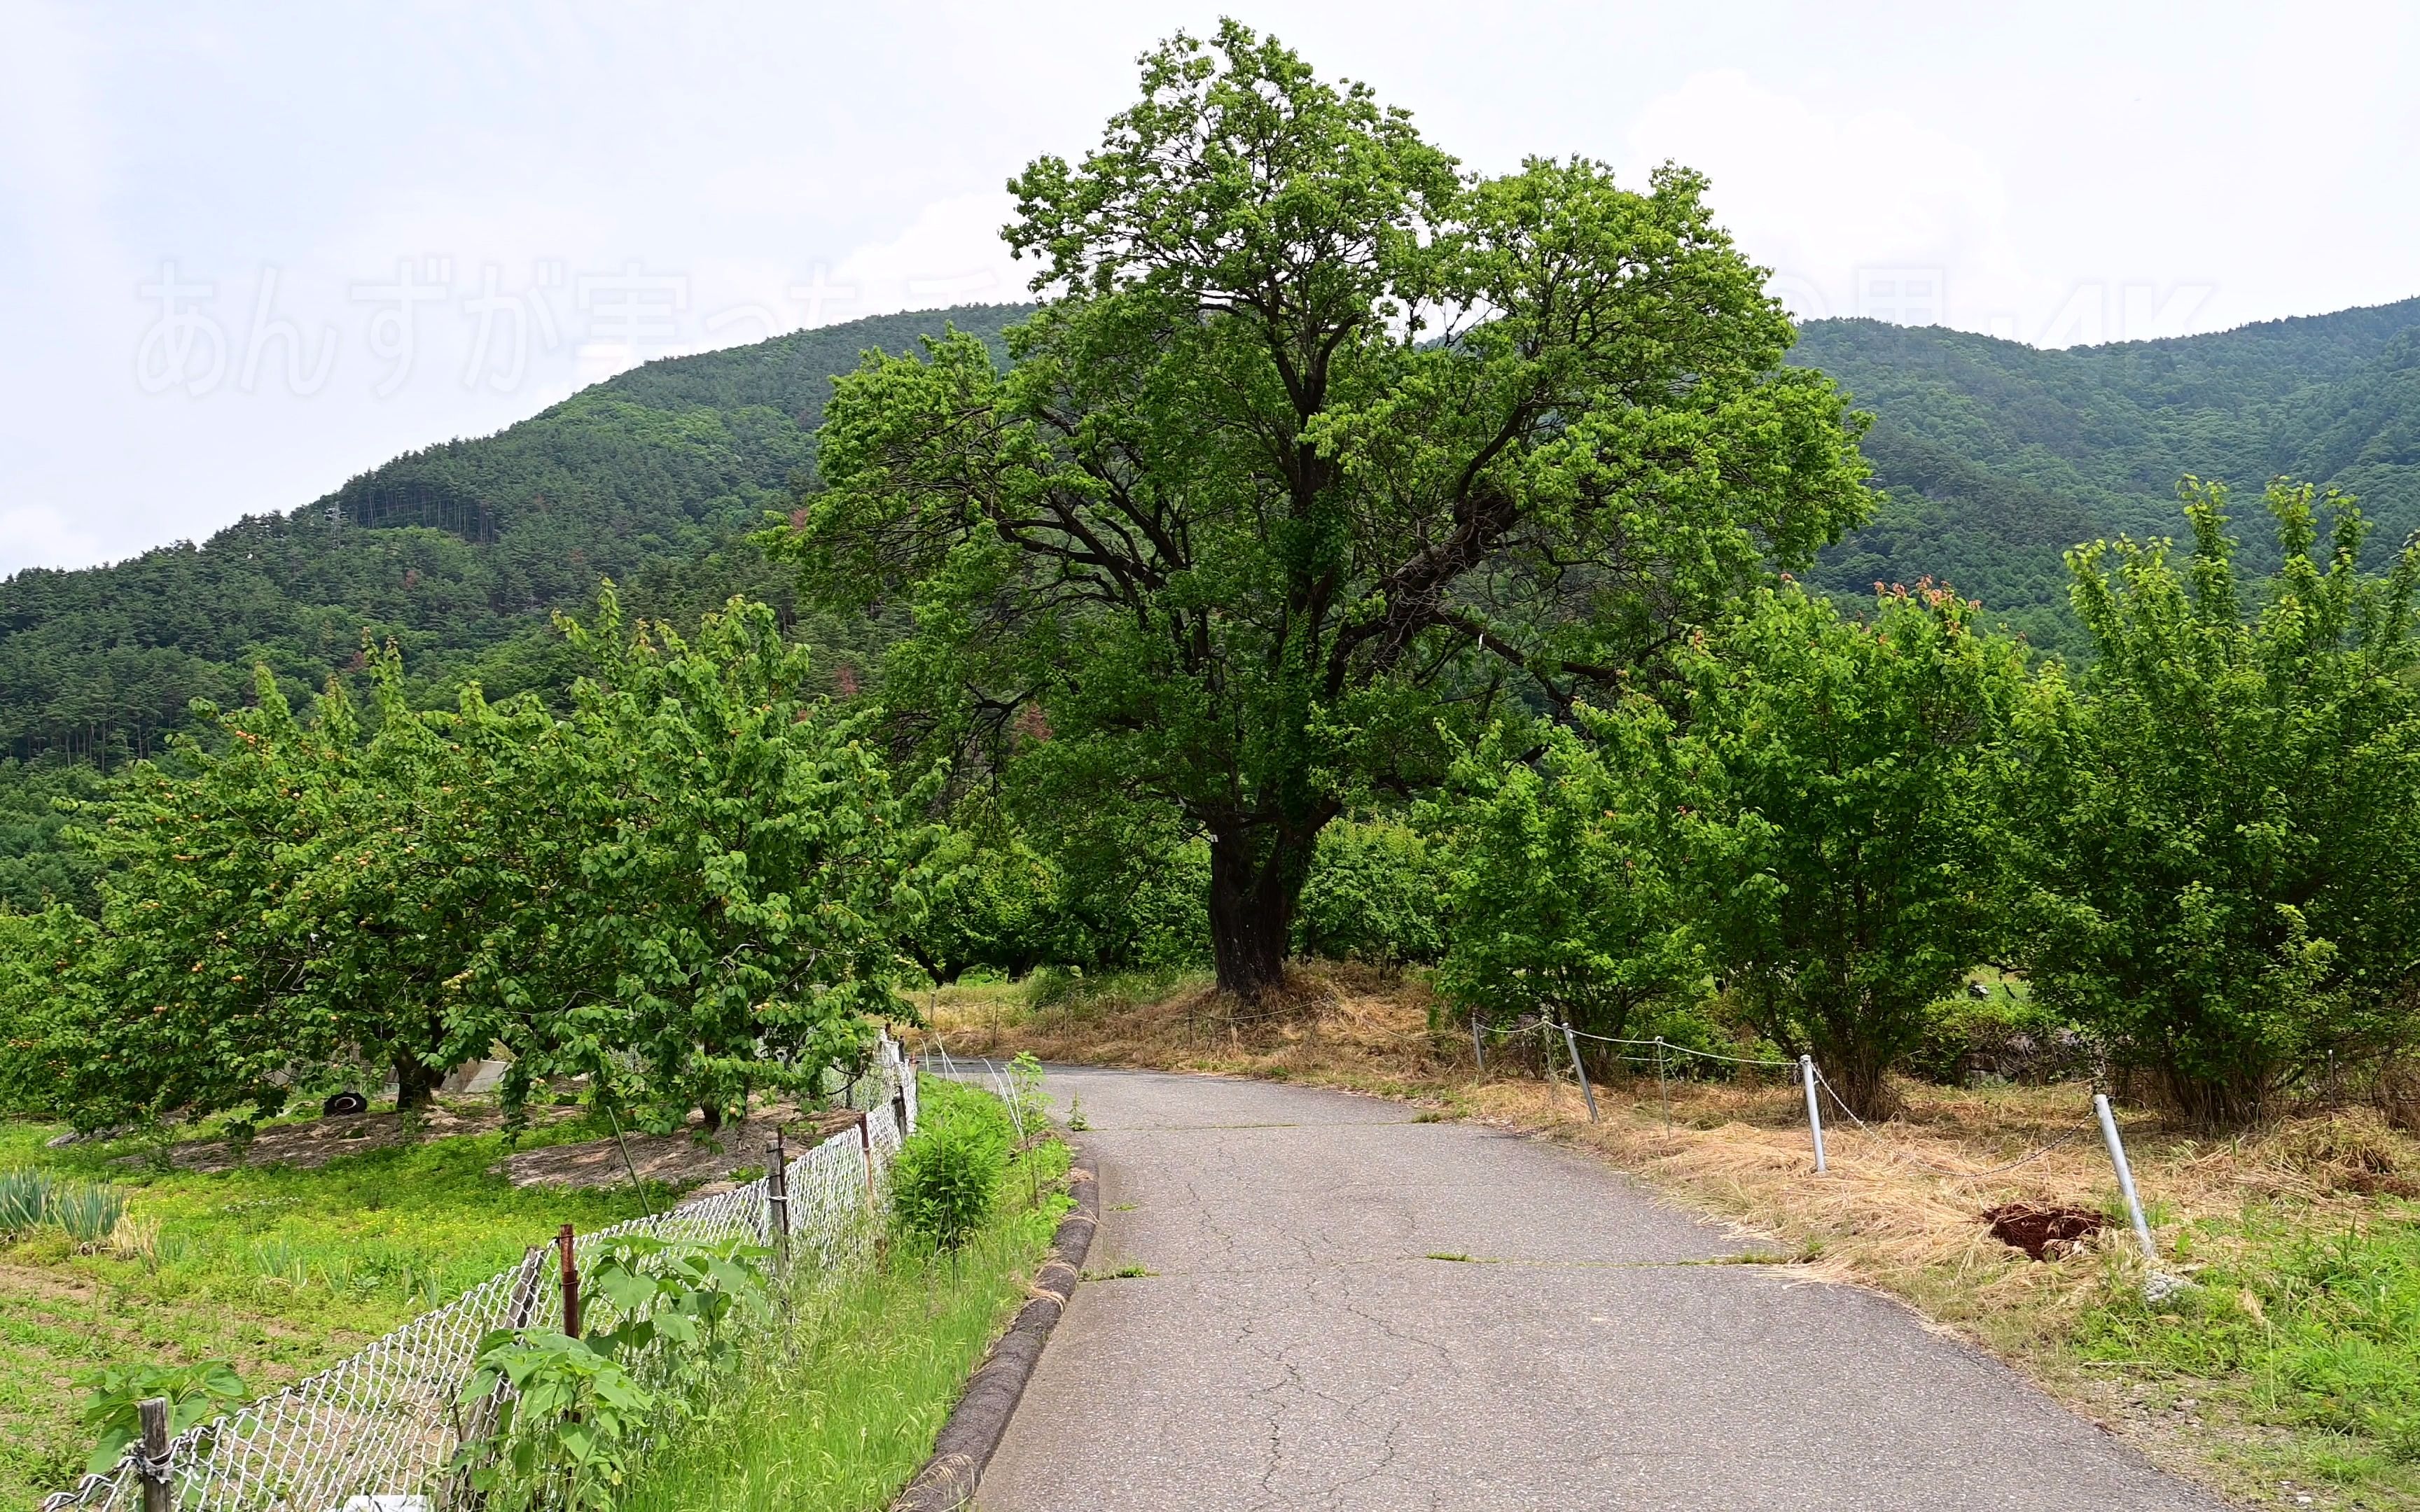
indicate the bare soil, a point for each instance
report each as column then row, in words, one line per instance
column 315, row 1142
column 2043, row 1231
column 693, row 1160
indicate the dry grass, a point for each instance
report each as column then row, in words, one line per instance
column 1901, row 1208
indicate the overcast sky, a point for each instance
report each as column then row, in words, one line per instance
column 247, row 255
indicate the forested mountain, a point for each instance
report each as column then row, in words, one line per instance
column 1998, row 456
column 459, row 551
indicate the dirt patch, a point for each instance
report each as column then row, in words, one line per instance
column 690, row 1160
column 310, row 1145
column 50, row 1285
column 2044, row 1231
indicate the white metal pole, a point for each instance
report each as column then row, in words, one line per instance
column 2125, row 1176
column 1580, row 1070
column 1814, row 1113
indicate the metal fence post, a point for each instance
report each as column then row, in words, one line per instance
column 1814, row 1113
column 571, row 1281
column 152, row 1413
column 777, row 1199
column 1663, row 1090
column 2125, row 1176
column 1478, row 1049
column 1571, row 1044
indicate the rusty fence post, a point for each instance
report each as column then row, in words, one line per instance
column 570, row 1282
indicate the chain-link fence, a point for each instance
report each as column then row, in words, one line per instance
column 378, row 1432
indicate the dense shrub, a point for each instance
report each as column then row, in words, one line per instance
column 1559, row 872
column 2227, row 828
column 1999, row 1034
column 1374, row 894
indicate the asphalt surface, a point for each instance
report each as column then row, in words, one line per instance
column 1297, row 1344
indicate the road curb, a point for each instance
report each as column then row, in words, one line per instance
column 980, row 1421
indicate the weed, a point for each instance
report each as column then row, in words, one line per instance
column 1132, row 1271
column 137, row 1239
column 194, row 1393
column 274, row 1260
column 948, row 1176
column 567, row 1417
column 2315, row 1332
column 1450, row 1255
column 840, row 1418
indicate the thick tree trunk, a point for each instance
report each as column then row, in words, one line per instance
column 415, row 1082
column 1254, row 879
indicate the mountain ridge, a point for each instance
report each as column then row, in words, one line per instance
column 1994, row 458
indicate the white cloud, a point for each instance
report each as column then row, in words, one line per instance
column 1817, row 196
column 1876, row 213
column 38, row 535
column 951, row 254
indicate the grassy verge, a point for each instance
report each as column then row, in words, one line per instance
column 278, row 1270
column 2287, row 1375
column 842, row 1416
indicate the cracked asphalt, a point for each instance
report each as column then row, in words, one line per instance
column 1297, row 1344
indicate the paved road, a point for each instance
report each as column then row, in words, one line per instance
column 1295, row 1345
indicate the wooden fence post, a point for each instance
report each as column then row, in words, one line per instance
column 152, row 1413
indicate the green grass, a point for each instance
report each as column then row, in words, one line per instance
column 278, row 1270
column 2314, row 1336
column 844, row 1415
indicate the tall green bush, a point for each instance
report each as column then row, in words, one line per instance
column 1561, row 871
column 948, row 1174
column 1374, row 894
column 1842, row 797
column 2227, row 825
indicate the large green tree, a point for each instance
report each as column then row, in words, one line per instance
column 745, row 872
column 2229, row 834
column 693, row 885
column 1318, row 440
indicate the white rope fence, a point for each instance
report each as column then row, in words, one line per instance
column 378, row 1431
column 1813, row 1078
